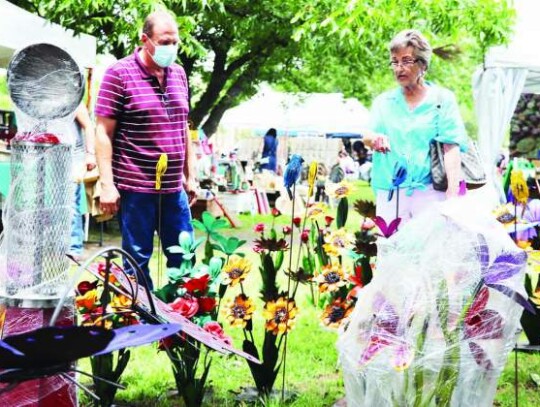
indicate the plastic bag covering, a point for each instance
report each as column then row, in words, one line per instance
column 37, row 219
column 433, row 328
column 45, row 82
column 46, row 86
column 54, row 391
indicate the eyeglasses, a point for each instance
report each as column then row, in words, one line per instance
column 406, row 63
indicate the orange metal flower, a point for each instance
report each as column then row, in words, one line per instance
column 239, row 311
column 280, row 315
column 330, row 278
column 336, row 312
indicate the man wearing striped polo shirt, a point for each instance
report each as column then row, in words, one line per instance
column 142, row 113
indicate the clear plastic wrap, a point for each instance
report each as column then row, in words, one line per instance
column 436, row 323
column 46, row 87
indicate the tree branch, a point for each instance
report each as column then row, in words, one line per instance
column 230, row 99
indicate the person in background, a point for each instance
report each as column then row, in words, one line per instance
column 83, row 152
column 142, row 114
column 403, row 123
column 362, row 158
column 269, row 153
column 347, row 164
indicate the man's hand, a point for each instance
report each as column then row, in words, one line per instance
column 109, row 200
column 191, row 187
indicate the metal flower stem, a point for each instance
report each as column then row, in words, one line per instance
column 288, row 291
column 516, row 383
column 515, row 221
column 300, row 247
column 397, row 202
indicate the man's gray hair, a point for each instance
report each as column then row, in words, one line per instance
column 413, row 38
column 149, row 22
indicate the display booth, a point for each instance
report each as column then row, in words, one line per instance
column 507, row 72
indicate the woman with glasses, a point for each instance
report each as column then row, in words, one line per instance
column 407, row 341
column 404, row 121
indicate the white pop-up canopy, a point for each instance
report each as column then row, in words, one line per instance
column 307, row 114
column 19, row 28
column 507, row 72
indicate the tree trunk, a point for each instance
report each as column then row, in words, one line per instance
column 246, row 78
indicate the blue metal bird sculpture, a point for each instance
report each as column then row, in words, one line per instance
column 292, row 173
column 399, row 176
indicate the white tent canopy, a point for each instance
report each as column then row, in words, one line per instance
column 507, row 72
column 313, row 113
column 19, row 28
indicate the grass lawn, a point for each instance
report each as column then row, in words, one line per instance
column 313, row 375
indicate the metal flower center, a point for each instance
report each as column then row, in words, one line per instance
column 235, row 273
column 332, row 277
column 280, row 315
column 337, row 314
column 239, row 311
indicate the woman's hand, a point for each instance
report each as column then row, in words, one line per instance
column 377, row 142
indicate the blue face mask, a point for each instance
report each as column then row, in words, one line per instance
column 164, row 55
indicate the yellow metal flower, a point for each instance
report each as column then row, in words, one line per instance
column 119, row 302
column 338, row 242
column 331, row 278
column 280, row 315
column 239, row 311
column 87, row 301
column 341, row 190
column 317, row 209
column 533, row 261
column 519, row 187
column 312, row 177
column 336, row 312
column 235, row 271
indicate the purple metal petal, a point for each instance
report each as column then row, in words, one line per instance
column 514, row 296
column 376, row 344
column 482, row 250
column 486, row 324
column 480, row 356
column 381, row 224
column 500, row 272
column 392, row 228
column 532, row 213
column 403, row 356
column 136, row 335
column 517, row 258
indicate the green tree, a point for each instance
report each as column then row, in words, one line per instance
column 228, row 47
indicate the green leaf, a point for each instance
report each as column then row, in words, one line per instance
column 342, row 212
column 167, row 293
column 535, row 379
column 176, row 250
column 280, row 256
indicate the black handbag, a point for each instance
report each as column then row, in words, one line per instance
column 471, row 164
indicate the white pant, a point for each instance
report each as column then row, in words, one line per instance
column 409, row 206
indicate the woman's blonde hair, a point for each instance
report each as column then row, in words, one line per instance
column 413, row 38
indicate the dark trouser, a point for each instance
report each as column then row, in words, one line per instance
column 139, row 216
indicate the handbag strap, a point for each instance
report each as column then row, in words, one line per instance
column 438, row 98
